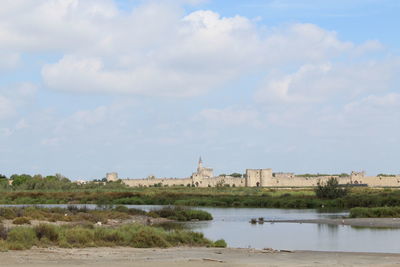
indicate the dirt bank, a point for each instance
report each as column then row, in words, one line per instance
column 191, row 257
column 360, row 222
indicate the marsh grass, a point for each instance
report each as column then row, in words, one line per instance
column 378, row 212
column 133, row 235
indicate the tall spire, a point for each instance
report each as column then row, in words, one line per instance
column 200, row 165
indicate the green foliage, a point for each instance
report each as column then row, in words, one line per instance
column 386, row 175
column 235, row 174
column 220, row 243
column 330, row 189
column 21, row 238
column 182, row 214
column 79, row 237
column 48, row 231
column 3, row 232
column 379, row 212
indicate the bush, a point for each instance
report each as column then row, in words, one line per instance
column 220, row 243
column 104, row 236
column 21, row 238
column 148, row 237
column 21, row 220
column 181, row 214
column 330, row 189
column 47, row 231
column 3, row 232
column 79, row 237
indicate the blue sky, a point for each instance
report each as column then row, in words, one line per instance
column 146, row 87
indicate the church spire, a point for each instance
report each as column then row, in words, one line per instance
column 200, row 165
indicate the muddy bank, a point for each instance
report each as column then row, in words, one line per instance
column 360, row 222
column 192, row 257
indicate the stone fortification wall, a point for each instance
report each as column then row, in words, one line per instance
column 198, row 182
column 377, row 181
column 203, row 177
column 151, row 182
column 258, row 177
column 295, row 181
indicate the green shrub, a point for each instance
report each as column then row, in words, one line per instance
column 106, row 236
column 21, row 238
column 147, row 237
column 220, row 243
column 3, row 232
column 330, row 190
column 48, row 231
column 21, row 220
column 79, row 237
column 181, row 214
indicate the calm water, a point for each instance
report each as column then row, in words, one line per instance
column 232, row 224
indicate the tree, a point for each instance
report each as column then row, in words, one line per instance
column 331, row 189
column 20, row 179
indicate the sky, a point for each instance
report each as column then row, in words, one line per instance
column 146, row 87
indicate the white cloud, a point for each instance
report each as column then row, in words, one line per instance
column 107, row 50
column 6, row 107
column 231, row 117
column 13, row 97
column 332, row 82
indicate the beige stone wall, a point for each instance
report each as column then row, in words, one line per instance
column 112, row 177
column 260, row 177
column 152, row 182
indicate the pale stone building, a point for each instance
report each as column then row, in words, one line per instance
column 204, row 177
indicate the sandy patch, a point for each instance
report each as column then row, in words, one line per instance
column 191, row 257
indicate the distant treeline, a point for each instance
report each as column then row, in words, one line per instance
column 58, row 182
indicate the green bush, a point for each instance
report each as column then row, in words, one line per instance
column 48, row 231
column 21, row 238
column 148, row 237
column 330, row 189
column 220, row 243
column 182, row 214
column 21, row 220
column 79, row 237
column 3, row 232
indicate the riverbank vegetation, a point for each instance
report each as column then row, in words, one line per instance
column 379, row 212
column 212, row 197
column 71, row 214
column 133, row 235
column 24, row 227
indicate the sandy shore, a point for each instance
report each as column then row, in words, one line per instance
column 191, row 257
column 361, row 222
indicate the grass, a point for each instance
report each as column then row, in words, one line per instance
column 379, row 212
column 133, row 235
